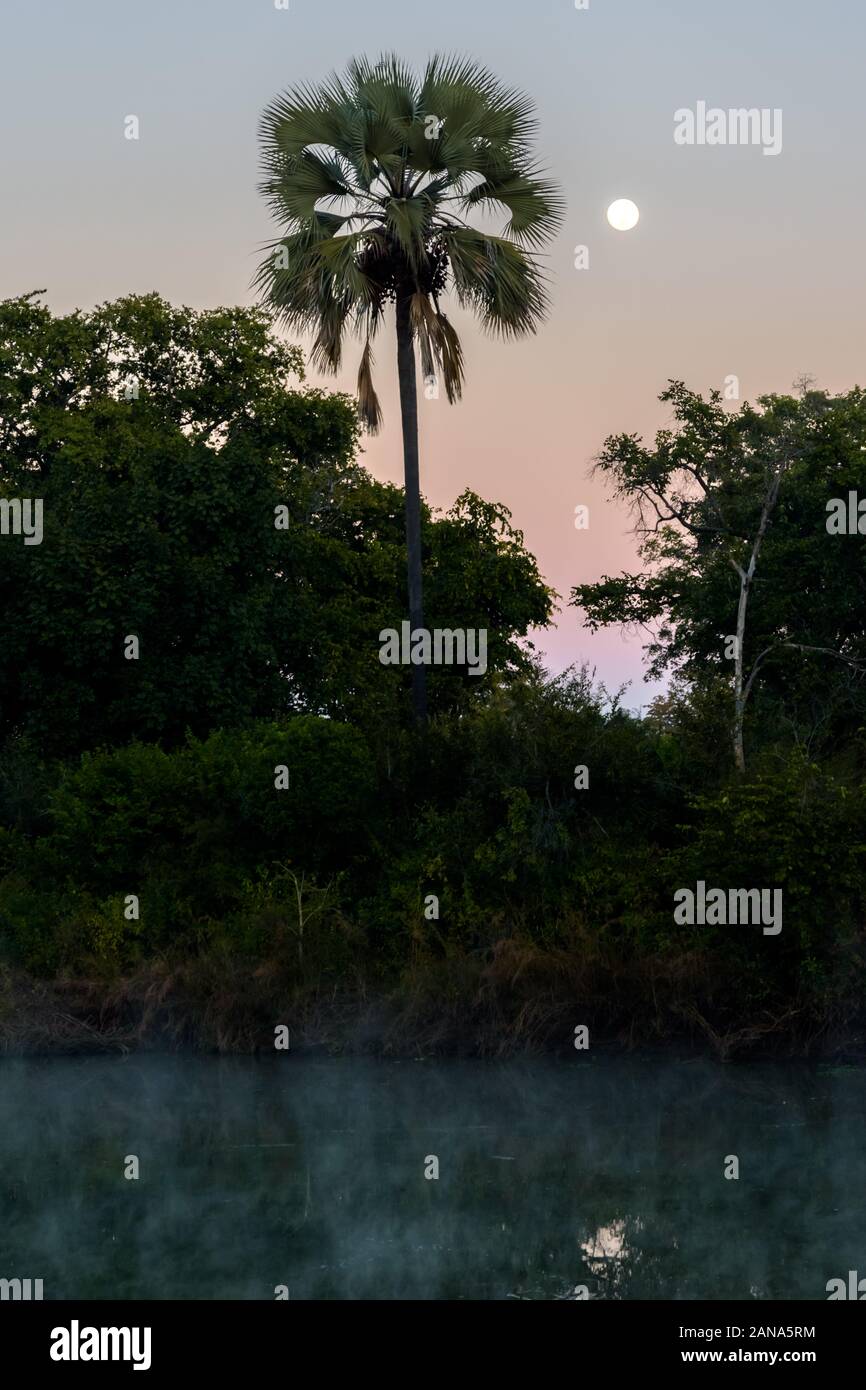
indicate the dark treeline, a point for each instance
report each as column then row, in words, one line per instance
column 234, row 821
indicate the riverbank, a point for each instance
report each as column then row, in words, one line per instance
column 514, row 1000
column 447, row 895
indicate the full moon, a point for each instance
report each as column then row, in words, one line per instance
column 623, row 214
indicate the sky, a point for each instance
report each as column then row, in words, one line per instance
column 742, row 265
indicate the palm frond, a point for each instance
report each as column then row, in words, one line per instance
column 438, row 344
column 534, row 203
column 408, row 221
column 372, row 177
column 498, row 279
column 369, row 410
column 450, row 356
column 296, row 186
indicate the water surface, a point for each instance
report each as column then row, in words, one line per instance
column 607, row 1173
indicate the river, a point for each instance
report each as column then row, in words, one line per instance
column 309, row 1176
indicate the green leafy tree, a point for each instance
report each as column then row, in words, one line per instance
column 732, row 511
column 165, row 446
column 208, row 373
column 159, row 441
column 374, row 177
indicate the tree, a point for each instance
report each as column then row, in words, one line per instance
column 204, row 373
column 731, row 512
column 373, row 177
column 197, row 497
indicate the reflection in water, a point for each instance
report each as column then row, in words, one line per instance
column 605, row 1174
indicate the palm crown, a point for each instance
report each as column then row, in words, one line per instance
column 374, row 176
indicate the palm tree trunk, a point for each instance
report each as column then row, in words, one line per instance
column 409, row 412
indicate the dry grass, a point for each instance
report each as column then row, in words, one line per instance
column 516, row 998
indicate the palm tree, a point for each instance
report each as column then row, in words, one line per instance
column 372, row 177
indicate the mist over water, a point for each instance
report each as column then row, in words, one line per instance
column 310, row 1174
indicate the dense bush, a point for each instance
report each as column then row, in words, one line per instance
column 794, row 827
column 186, row 832
column 337, row 873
